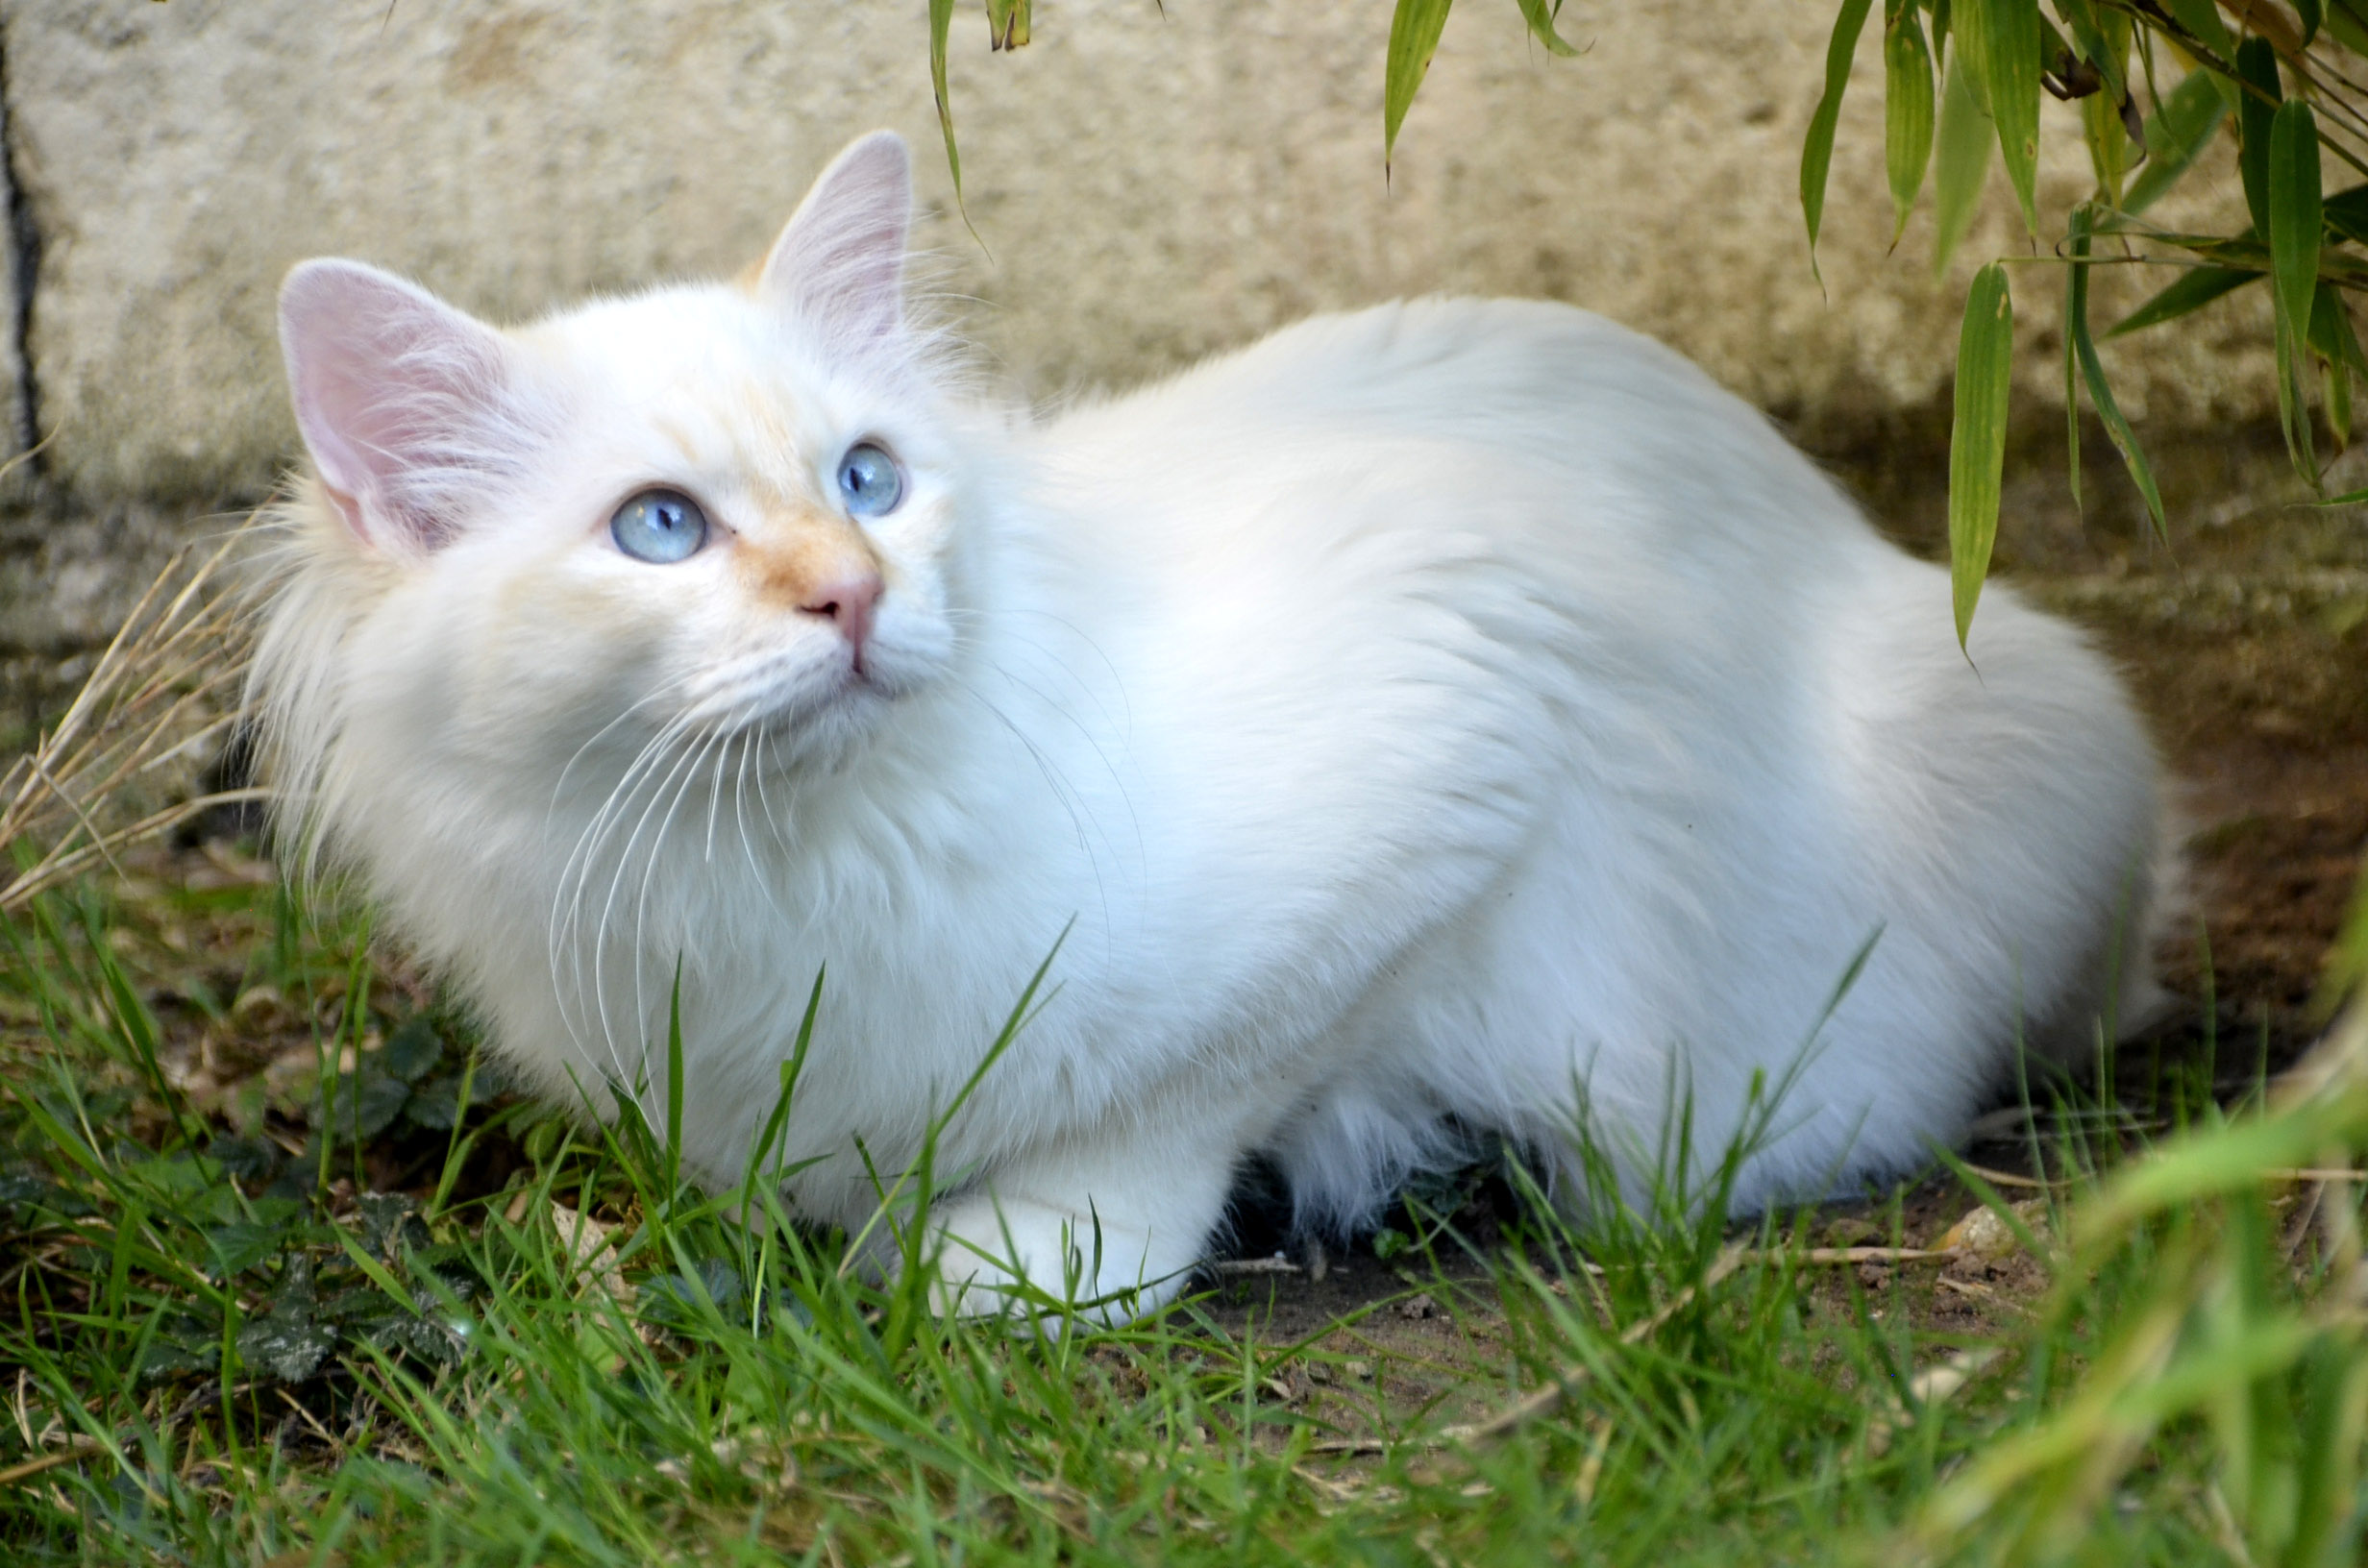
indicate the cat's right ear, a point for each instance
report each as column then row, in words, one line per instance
column 839, row 264
column 403, row 401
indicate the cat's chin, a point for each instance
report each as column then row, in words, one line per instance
column 826, row 729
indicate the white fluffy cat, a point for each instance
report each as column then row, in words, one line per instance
column 1454, row 714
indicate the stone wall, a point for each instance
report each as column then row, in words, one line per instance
column 1143, row 184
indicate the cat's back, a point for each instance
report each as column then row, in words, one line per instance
column 1476, row 405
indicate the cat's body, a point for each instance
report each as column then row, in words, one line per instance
column 1420, row 714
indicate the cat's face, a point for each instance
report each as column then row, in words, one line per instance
column 702, row 511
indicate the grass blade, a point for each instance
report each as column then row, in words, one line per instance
column 1415, row 28
column 1961, row 163
column 2179, row 129
column 1817, row 148
column 1907, row 109
column 674, row 1084
column 2084, row 348
column 1978, row 438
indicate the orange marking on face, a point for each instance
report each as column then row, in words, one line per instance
column 794, row 558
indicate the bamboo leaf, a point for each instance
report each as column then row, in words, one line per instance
column 2075, row 323
column 1541, row 19
column 1415, row 28
column 2195, row 288
column 1817, row 149
column 1961, row 164
column 2011, row 61
column 2330, row 330
column 941, row 23
column 2084, row 348
column 2255, row 113
column 2201, row 18
column 2105, row 43
column 1978, row 438
column 1007, row 24
column 2308, row 11
column 2347, row 213
column 1969, row 26
column 2108, row 144
column 2345, row 20
column 2179, row 129
column 1907, row 109
column 2296, row 227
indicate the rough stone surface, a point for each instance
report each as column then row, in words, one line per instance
column 1146, row 187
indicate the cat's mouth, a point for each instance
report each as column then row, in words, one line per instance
column 788, row 697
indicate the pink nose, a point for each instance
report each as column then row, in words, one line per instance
column 848, row 601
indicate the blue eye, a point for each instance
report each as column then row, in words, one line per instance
column 660, row 526
column 870, row 480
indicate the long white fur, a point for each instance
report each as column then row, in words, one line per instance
column 1451, row 710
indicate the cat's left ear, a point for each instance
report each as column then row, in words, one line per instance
column 839, row 262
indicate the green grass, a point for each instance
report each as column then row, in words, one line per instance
column 263, row 1307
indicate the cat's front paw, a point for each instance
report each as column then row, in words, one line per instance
column 1026, row 1258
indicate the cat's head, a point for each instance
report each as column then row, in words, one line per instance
column 702, row 510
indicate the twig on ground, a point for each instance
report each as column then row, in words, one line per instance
column 80, row 1448
column 1254, row 1265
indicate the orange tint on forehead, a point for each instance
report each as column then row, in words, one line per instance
column 754, row 431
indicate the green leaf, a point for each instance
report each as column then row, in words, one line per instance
column 1961, row 164
column 1415, row 28
column 2008, row 56
column 1541, row 19
column 2312, row 18
column 413, row 1050
column 2255, row 113
column 2084, row 348
column 2348, row 21
column 2201, row 18
column 2194, row 289
column 2347, row 213
column 1907, row 110
column 2296, row 227
column 941, row 23
column 1978, row 438
column 1817, row 149
column 2330, row 330
column 2179, row 129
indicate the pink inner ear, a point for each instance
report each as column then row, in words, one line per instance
column 840, row 261
column 402, row 401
